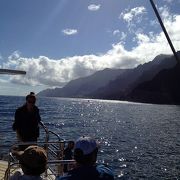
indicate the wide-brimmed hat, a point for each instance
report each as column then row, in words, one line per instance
column 33, row 158
column 86, row 144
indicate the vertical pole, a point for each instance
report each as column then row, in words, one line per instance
column 165, row 32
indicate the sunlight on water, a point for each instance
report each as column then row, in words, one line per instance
column 120, row 174
column 121, row 159
column 136, row 140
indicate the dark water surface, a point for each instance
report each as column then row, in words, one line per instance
column 139, row 141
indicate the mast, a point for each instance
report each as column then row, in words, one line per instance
column 11, row 71
column 165, row 32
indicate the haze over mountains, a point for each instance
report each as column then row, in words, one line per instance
column 141, row 84
column 82, row 87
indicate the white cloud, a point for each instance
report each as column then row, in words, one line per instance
column 69, row 31
column 51, row 72
column 123, row 36
column 168, row 1
column 94, row 7
column 130, row 15
column 45, row 71
column 116, row 32
column 171, row 23
column 133, row 17
column 164, row 11
column 120, row 34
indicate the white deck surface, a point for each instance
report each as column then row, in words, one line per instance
column 3, row 167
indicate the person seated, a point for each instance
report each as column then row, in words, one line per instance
column 85, row 155
column 33, row 161
column 68, row 154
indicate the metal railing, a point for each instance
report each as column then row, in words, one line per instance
column 55, row 154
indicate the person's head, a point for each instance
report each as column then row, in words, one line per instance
column 71, row 144
column 85, row 152
column 33, row 160
column 31, row 99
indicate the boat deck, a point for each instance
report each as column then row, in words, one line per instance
column 55, row 154
column 3, row 167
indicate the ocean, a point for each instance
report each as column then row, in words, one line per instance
column 138, row 141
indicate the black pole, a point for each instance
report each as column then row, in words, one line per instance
column 11, row 71
column 165, row 32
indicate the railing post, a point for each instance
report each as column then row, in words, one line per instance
column 46, row 141
column 60, row 154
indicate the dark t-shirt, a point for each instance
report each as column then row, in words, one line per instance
column 26, row 123
column 97, row 172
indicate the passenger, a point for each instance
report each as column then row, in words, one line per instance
column 68, row 153
column 85, row 155
column 27, row 118
column 33, row 161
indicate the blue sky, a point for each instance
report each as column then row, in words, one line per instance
column 56, row 41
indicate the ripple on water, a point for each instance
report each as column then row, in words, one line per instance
column 138, row 141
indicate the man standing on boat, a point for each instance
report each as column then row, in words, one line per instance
column 27, row 120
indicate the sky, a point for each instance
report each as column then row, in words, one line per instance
column 56, row 41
